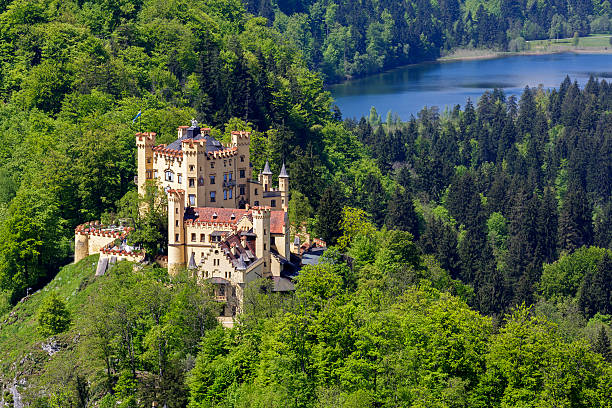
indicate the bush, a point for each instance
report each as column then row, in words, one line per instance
column 53, row 317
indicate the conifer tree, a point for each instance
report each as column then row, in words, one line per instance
column 602, row 345
column 547, row 226
column 575, row 226
column 401, row 214
column 376, row 201
column 330, row 215
column 596, row 289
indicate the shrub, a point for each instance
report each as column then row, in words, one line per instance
column 53, row 317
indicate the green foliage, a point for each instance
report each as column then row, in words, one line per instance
column 528, row 365
column 299, row 210
column 564, row 277
column 53, row 317
column 32, row 244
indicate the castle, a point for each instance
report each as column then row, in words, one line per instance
column 224, row 226
column 211, row 174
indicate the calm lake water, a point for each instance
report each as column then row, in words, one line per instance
column 407, row 90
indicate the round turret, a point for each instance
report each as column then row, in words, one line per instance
column 81, row 246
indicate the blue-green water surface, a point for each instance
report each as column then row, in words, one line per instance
column 407, row 90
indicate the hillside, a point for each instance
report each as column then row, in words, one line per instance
column 469, row 260
column 75, row 366
column 345, row 39
column 25, row 352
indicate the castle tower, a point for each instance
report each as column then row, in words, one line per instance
column 266, row 177
column 176, row 231
column 81, row 246
column 144, row 143
column 261, row 228
column 283, row 187
column 242, row 141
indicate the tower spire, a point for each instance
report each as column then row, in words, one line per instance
column 283, row 172
column 266, row 169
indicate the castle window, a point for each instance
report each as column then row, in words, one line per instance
column 212, row 196
column 241, row 190
column 148, row 160
column 180, row 178
column 191, row 182
column 201, row 181
column 212, row 165
column 155, row 173
column 191, row 167
column 225, row 194
column 230, row 176
column 224, row 176
column 264, row 264
column 230, row 162
column 202, row 238
column 192, row 200
column 176, row 211
column 206, row 273
column 193, row 237
column 169, row 175
column 212, row 179
column 256, row 203
column 224, row 163
column 255, row 191
column 264, row 246
column 242, row 159
column 272, row 203
column 264, row 231
column 229, row 274
column 242, row 173
column 230, row 194
column 176, row 237
column 176, row 222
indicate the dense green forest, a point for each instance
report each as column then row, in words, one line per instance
column 469, row 261
column 348, row 38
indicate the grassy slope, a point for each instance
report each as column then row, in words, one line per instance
column 599, row 41
column 21, row 355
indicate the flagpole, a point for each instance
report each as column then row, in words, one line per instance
column 140, row 121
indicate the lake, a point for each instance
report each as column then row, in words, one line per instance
column 407, row 90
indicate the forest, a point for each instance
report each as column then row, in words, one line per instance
column 469, row 250
column 352, row 38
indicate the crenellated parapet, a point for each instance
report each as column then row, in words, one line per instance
column 94, row 237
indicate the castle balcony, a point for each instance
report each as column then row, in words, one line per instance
column 230, row 183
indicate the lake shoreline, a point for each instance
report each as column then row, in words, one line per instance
column 489, row 54
column 476, row 55
column 406, row 90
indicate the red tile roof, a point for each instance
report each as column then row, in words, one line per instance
column 224, row 215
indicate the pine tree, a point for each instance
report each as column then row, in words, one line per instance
column 376, row 201
column 401, row 214
column 440, row 239
column 596, row 289
column 575, row 225
column 547, row 226
column 602, row 345
column 491, row 292
column 524, row 262
column 330, row 215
